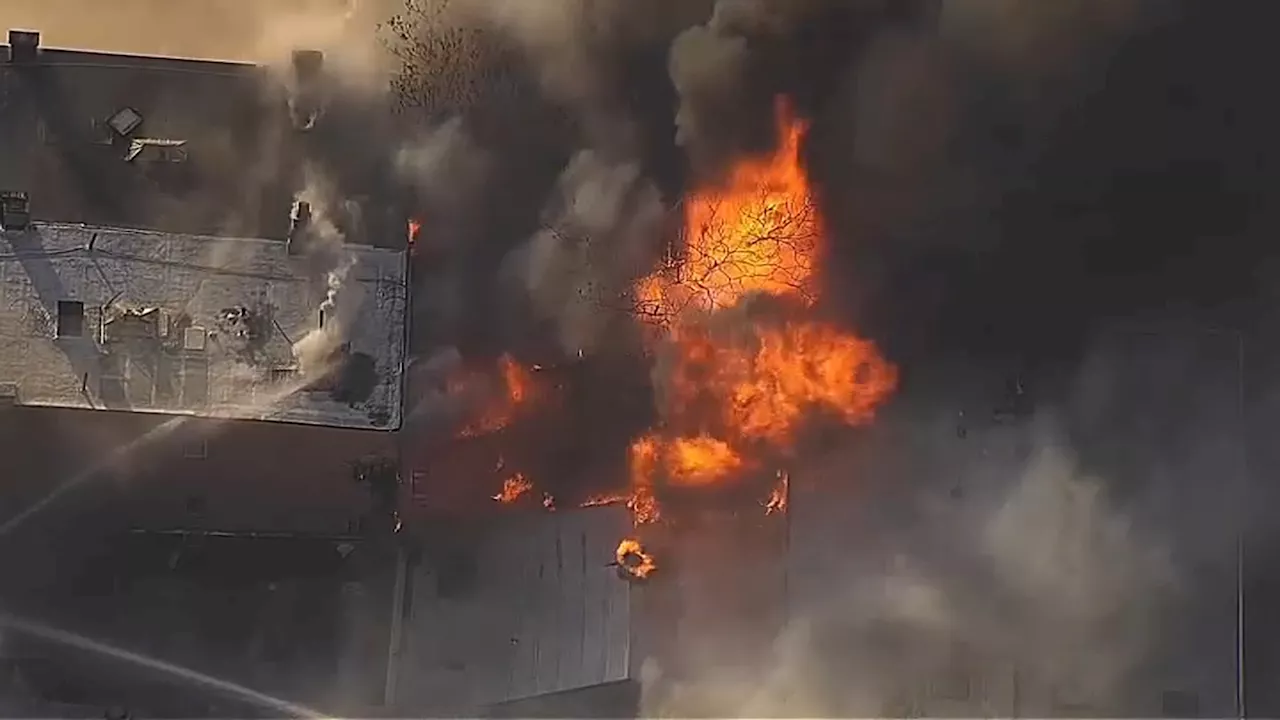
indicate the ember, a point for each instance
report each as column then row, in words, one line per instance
column 600, row 500
column 513, row 488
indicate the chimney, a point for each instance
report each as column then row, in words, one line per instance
column 24, row 46
column 298, row 225
column 307, row 65
column 306, row 94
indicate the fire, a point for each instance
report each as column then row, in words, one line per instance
column 682, row 461
column 513, row 488
column 631, row 558
column 759, row 233
column 779, row 496
column 601, row 500
column 732, row 390
column 763, row 383
column 517, row 389
column 644, row 507
column 414, row 230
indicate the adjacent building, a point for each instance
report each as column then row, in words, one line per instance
column 197, row 383
column 181, row 391
column 203, row 342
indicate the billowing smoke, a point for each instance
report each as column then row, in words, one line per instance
column 325, row 225
column 604, row 228
column 931, row 571
column 995, row 177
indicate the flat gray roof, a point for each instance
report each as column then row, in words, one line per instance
column 201, row 325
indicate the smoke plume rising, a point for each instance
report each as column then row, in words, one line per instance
column 919, row 559
column 324, row 244
column 604, row 224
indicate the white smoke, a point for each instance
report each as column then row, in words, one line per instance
column 325, row 248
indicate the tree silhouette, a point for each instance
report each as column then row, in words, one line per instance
column 447, row 65
column 764, row 245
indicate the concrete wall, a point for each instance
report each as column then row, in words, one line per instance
column 529, row 607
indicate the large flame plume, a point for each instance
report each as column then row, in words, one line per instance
column 734, row 396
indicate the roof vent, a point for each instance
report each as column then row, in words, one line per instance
column 15, row 211
column 125, row 121
column 8, row 394
column 24, row 46
column 194, row 338
column 307, row 65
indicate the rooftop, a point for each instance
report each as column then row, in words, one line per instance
column 121, row 319
column 174, row 144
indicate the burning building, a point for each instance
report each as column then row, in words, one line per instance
column 773, row 470
column 744, row 377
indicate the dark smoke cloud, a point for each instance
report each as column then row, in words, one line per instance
column 1001, row 179
column 999, row 189
column 1001, row 186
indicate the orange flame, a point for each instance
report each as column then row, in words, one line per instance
column 601, row 500
column 763, row 383
column 731, row 392
column 632, row 559
column 517, row 390
column 513, row 488
column 759, row 233
column 548, row 502
column 682, row 461
column 644, row 506
column 414, row 230
column 779, row 496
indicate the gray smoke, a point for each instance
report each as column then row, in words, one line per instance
column 447, row 170
column 604, row 230
column 579, row 49
column 721, row 76
column 919, row 559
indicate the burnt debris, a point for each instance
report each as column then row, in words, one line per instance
column 244, row 331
